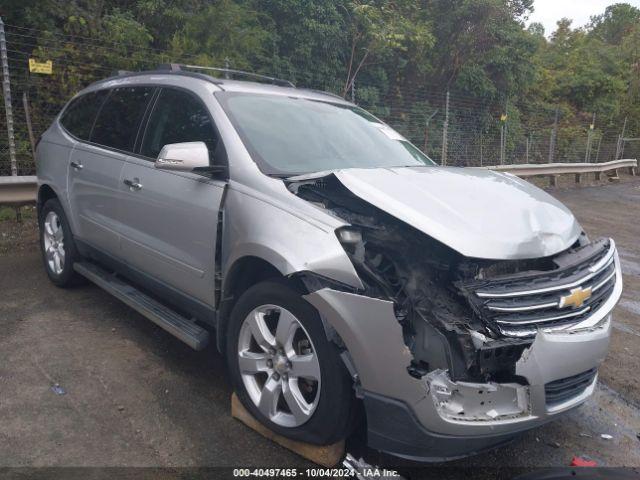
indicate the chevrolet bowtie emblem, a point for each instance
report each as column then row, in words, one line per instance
column 576, row 298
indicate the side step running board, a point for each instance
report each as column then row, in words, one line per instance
column 177, row 325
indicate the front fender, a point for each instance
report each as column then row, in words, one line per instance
column 257, row 227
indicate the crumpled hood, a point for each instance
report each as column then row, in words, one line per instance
column 477, row 212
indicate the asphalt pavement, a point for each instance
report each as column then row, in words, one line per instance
column 86, row 381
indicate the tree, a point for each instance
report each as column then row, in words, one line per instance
column 402, row 55
column 378, row 30
column 224, row 32
column 481, row 46
column 617, row 22
column 308, row 40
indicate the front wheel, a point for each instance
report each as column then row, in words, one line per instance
column 284, row 370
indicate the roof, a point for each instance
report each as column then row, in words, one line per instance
column 162, row 76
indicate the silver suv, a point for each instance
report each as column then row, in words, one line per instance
column 346, row 276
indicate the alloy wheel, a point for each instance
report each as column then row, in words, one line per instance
column 279, row 365
column 54, row 243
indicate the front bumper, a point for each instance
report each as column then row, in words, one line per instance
column 405, row 415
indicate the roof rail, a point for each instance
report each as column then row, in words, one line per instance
column 331, row 94
column 171, row 67
column 177, row 67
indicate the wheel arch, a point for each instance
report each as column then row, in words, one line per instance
column 244, row 273
column 45, row 192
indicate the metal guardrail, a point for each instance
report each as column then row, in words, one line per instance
column 24, row 190
column 18, row 191
column 552, row 170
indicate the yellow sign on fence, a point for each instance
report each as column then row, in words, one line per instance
column 41, row 67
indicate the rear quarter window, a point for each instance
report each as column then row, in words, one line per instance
column 79, row 116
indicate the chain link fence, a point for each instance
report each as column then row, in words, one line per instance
column 452, row 128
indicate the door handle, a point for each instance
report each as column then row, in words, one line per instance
column 133, row 184
column 77, row 165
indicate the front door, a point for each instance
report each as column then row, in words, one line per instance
column 169, row 219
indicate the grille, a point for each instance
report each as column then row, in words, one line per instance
column 519, row 305
column 560, row 391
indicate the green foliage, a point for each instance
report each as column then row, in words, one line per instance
column 382, row 31
column 388, row 50
column 223, row 32
column 307, row 41
column 617, row 22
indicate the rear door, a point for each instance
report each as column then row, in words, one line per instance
column 97, row 162
column 77, row 120
column 169, row 220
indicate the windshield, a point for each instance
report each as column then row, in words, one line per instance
column 294, row 136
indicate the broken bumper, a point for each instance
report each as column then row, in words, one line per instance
column 434, row 419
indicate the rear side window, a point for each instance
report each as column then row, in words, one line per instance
column 78, row 118
column 177, row 117
column 118, row 121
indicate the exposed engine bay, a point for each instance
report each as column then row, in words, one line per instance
column 429, row 285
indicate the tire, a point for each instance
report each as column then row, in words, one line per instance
column 327, row 413
column 59, row 251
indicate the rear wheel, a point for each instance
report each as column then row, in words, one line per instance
column 58, row 248
column 284, row 370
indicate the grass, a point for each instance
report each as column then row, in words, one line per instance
column 9, row 213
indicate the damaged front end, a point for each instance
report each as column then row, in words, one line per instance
column 421, row 277
column 466, row 322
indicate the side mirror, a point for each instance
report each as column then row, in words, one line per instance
column 187, row 157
